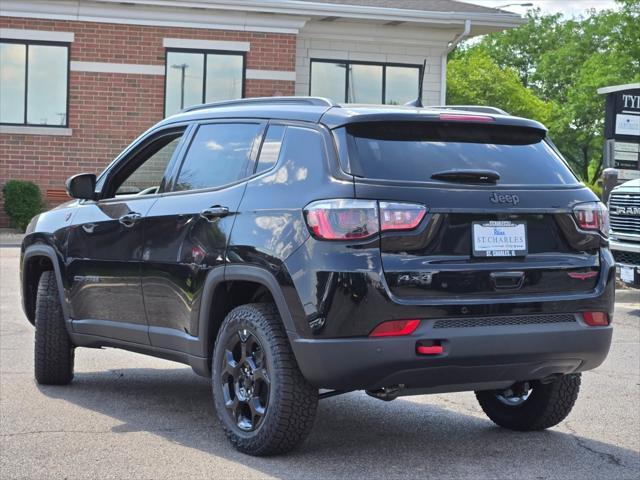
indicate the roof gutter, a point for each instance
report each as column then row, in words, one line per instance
column 443, row 66
column 498, row 19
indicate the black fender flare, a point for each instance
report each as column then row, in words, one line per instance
column 41, row 250
column 247, row 273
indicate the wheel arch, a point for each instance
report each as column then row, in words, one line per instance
column 212, row 307
column 39, row 258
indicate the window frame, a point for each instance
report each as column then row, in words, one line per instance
column 49, row 43
column 203, row 52
column 253, row 170
column 132, row 153
column 248, row 172
column 348, row 63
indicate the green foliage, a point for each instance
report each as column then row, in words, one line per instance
column 561, row 64
column 476, row 79
column 22, row 201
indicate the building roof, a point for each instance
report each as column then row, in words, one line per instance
column 279, row 16
column 618, row 88
column 419, row 5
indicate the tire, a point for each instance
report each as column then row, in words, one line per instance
column 547, row 405
column 53, row 353
column 263, row 412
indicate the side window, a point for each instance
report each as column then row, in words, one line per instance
column 303, row 143
column 270, row 150
column 219, row 154
column 147, row 177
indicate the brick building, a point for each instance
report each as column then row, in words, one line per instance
column 79, row 80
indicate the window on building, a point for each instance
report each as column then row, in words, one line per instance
column 195, row 77
column 219, row 154
column 364, row 82
column 34, row 83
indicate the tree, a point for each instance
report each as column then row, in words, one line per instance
column 476, row 79
column 562, row 63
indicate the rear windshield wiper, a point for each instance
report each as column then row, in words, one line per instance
column 467, row 176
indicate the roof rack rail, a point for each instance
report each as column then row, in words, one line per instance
column 311, row 101
column 470, row 108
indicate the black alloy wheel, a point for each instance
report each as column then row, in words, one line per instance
column 263, row 402
column 245, row 380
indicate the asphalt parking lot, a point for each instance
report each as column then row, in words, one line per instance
column 130, row 416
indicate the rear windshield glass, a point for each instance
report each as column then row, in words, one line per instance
column 412, row 151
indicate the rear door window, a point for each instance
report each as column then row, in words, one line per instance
column 219, row 154
column 414, row 151
column 270, row 150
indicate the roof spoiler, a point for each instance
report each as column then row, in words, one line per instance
column 470, row 108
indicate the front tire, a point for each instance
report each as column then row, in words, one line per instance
column 53, row 353
column 545, row 406
column 264, row 404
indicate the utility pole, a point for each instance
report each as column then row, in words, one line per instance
column 183, row 67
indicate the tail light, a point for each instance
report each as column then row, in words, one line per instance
column 395, row 328
column 400, row 216
column 343, row 219
column 596, row 319
column 350, row 219
column 592, row 216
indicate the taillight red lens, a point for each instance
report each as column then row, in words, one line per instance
column 400, row 216
column 596, row 319
column 592, row 216
column 343, row 219
column 350, row 219
column 395, row 328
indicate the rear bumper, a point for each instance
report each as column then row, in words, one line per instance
column 474, row 358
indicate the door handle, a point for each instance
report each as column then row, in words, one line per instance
column 212, row 213
column 129, row 219
column 507, row 280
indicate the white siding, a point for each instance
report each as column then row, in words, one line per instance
column 374, row 43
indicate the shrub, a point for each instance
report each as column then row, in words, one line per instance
column 22, row 201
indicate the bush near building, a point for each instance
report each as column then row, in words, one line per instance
column 22, row 201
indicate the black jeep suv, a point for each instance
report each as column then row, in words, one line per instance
column 292, row 249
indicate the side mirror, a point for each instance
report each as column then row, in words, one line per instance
column 82, row 186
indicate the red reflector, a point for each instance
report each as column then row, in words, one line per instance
column 582, row 275
column 395, row 328
column 453, row 117
column 596, row 319
column 430, row 350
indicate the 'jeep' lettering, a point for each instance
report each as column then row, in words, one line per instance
column 502, row 198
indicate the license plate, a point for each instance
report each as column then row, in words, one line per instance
column 499, row 239
column 626, row 274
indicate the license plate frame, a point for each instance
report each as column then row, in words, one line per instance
column 512, row 234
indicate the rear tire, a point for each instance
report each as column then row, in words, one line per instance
column 547, row 405
column 53, row 353
column 264, row 404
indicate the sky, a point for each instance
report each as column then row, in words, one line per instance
column 569, row 8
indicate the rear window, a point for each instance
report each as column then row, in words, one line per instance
column 414, row 151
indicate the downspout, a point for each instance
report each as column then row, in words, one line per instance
column 443, row 66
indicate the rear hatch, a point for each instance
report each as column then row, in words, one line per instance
column 500, row 200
